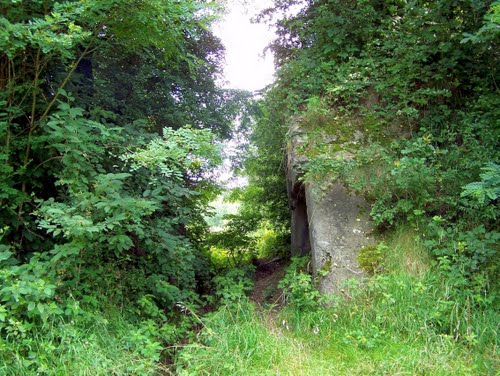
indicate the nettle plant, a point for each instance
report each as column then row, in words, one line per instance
column 298, row 286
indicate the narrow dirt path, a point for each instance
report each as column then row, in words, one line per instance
column 267, row 276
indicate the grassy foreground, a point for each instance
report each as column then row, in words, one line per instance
column 402, row 321
column 399, row 322
column 101, row 343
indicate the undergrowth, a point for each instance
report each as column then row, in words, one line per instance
column 403, row 320
column 98, row 343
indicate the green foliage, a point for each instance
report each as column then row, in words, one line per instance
column 371, row 257
column 488, row 189
column 28, row 294
column 216, row 217
column 269, row 242
column 233, row 285
column 103, row 185
column 467, row 259
column 234, row 341
column 103, row 182
column 427, row 331
column 297, row 286
column 260, row 228
column 234, row 242
column 94, row 343
column 399, row 102
column 488, row 32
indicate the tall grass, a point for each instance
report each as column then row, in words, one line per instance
column 406, row 253
column 400, row 322
column 92, row 344
column 236, row 340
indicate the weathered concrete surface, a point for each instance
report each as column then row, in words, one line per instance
column 338, row 228
column 328, row 221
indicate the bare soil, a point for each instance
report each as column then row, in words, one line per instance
column 267, row 276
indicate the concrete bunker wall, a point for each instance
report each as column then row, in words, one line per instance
column 329, row 222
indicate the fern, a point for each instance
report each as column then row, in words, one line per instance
column 488, row 189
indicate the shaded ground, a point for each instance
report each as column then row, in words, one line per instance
column 267, row 276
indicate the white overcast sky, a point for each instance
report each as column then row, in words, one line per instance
column 246, row 67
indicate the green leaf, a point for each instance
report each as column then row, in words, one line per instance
column 5, row 255
column 41, row 308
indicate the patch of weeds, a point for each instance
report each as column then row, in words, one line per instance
column 298, row 288
column 371, row 257
column 235, row 341
column 234, row 285
column 366, row 338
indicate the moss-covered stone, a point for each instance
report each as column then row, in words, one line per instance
column 370, row 258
